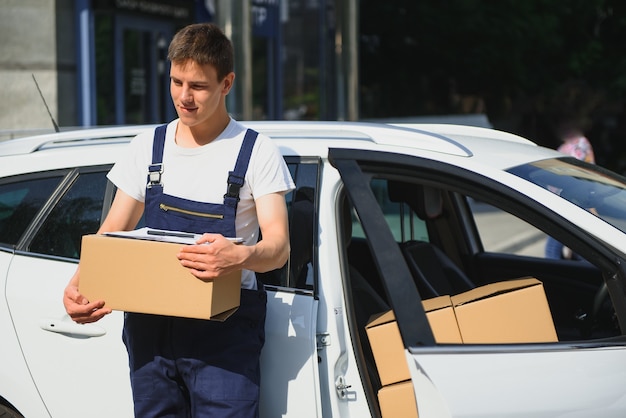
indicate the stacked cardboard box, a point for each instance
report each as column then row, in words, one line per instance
column 514, row 311
column 397, row 400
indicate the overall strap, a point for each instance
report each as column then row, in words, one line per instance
column 156, row 168
column 236, row 177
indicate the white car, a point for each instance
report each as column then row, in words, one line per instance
column 383, row 217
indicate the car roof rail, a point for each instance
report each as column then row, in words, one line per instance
column 409, row 136
column 467, row 131
column 80, row 136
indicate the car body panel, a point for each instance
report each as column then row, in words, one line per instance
column 527, row 381
column 16, row 384
column 51, row 351
column 289, row 356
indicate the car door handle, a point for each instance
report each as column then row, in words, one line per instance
column 66, row 327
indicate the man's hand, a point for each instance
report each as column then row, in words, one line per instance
column 124, row 214
column 80, row 309
column 213, row 256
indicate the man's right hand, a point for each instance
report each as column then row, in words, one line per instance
column 124, row 214
column 80, row 309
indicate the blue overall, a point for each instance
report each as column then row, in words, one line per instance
column 181, row 367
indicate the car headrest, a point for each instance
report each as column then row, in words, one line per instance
column 425, row 201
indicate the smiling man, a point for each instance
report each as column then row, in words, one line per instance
column 202, row 173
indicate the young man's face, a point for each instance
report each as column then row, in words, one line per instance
column 197, row 94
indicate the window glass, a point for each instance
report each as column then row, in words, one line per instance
column 588, row 186
column 302, row 226
column 78, row 213
column 403, row 222
column 20, row 201
column 299, row 272
column 517, row 237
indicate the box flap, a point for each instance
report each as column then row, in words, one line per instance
column 492, row 289
column 440, row 302
column 221, row 317
column 380, row 318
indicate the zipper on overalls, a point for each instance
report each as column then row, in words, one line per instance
column 166, row 208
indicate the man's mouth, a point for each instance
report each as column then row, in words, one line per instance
column 188, row 108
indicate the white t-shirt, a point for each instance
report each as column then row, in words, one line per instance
column 201, row 174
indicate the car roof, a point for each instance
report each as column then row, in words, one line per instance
column 490, row 146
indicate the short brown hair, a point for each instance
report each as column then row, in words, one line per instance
column 204, row 43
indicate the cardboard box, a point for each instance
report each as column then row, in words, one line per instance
column 136, row 275
column 514, row 311
column 442, row 320
column 398, row 401
column 384, row 337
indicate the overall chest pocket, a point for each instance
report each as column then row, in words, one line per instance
column 177, row 214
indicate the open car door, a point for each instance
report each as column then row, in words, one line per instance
column 488, row 380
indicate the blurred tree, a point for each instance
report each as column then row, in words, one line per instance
column 523, row 63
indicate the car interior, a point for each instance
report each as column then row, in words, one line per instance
column 441, row 264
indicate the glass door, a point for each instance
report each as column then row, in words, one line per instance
column 142, row 71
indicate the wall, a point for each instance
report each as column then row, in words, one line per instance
column 28, row 30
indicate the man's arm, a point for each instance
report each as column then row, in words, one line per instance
column 223, row 257
column 124, row 214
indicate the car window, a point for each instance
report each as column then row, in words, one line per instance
column 454, row 250
column 299, row 272
column 78, row 213
column 20, row 200
column 518, row 238
column 403, row 222
column 588, row 186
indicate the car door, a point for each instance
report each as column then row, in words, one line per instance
column 289, row 360
column 542, row 379
column 79, row 370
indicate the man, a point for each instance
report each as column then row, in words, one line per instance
column 180, row 176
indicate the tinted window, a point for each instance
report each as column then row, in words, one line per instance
column 588, row 186
column 302, row 225
column 403, row 222
column 78, row 213
column 20, row 201
column 517, row 238
column 299, row 272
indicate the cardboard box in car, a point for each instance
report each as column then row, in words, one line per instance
column 514, row 311
column 442, row 320
column 398, row 401
column 387, row 348
column 136, row 275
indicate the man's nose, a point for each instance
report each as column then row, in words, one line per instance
column 186, row 95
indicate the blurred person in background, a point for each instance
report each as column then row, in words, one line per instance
column 573, row 143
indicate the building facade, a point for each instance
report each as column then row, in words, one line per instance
column 103, row 62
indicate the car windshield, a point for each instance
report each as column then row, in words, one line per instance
column 586, row 185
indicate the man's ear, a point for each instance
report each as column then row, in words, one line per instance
column 229, row 79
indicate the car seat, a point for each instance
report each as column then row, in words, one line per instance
column 435, row 274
